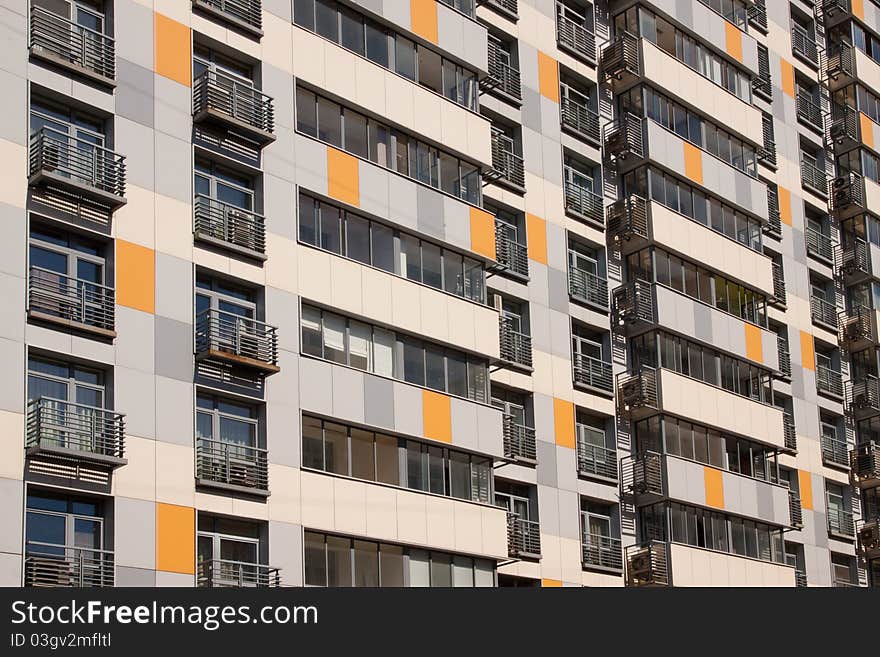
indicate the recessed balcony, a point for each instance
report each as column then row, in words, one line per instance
column 523, row 537
column 229, row 227
column 864, row 463
column 226, row 573
column 240, row 341
column 245, row 15
column 515, row 346
column 234, row 104
column 59, row 565
column 232, row 466
column 600, row 552
column 73, row 303
column 75, row 432
column 59, row 41
column 519, row 440
column 593, row 374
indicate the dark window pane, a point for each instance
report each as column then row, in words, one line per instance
column 335, row 449
column 387, row 460
column 431, row 268
column 362, row 465
column 391, row 565
column 329, row 122
column 306, row 112
column 352, row 31
column 356, row 133
column 304, row 13
column 331, row 237
column 315, row 560
column 456, row 366
column 453, row 276
column 338, row 561
column 405, row 57
column 416, row 466
column 435, row 369
column 382, row 239
column 326, row 19
column 377, row 44
column 313, row 444
column 413, row 362
column 357, row 238
column 366, row 564
column 308, row 230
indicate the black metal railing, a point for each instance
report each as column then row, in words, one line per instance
column 848, row 191
column 601, row 551
column 503, row 76
column 857, row 326
column 73, row 44
column 594, row 460
column 813, row 177
column 853, row 256
column 621, row 57
column 647, row 564
column 808, row 110
column 779, row 294
column 819, row 245
column 767, row 151
column 220, row 332
column 863, row 396
column 523, row 536
column 60, row 154
column 834, row 451
column 588, row 287
column 57, row 565
column 247, row 12
column 217, row 220
column 774, row 216
column 51, row 294
column 634, row 303
column 789, row 433
column 580, row 118
column 641, row 474
column 74, row 428
column 581, row 200
column 593, row 373
column 784, row 356
column 829, row 381
column 823, row 311
column 507, row 163
column 864, row 463
column 218, row 92
column 757, row 14
column 510, row 253
column 839, row 61
column 804, row 45
column 628, row 217
column 841, row 522
column 868, row 535
column 519, row 440
column 232, row 464
column 795, row 511
column 575, row 37
column 800, row 578
column 623, row 138
column 227, row 573
column 516, row 346
column 844, row 124
column 510, row 7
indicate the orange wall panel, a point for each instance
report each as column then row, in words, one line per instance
column 482, row 233
column 548, row 77
column 866, row 126
column 787, row 79
column 734, row 41
column 714, row 484
column 563, row 422
column 343, row 181
column 551, row 583
column 135, row 276
column 175, row 538
column 784, row 205
column 754, row 343
column 693, row 163
column 808, row 354
column 172, row 56
column 536, row 238
column 423, row 18
column 805, row 484
column 436, row 416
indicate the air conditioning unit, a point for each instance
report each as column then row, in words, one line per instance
column 869, row 536
column 640, row 566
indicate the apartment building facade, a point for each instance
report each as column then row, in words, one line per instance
column 440, row 293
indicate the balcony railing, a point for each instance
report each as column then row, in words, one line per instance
column 217, row 94
column 853, row 257
column 789, row 433
column 829, row 381
column 621, row 58
column 633, row 303
column 510, row 253
column 75, row 431
column 848, row 193
column 813, row 177
column 841, row 523
column 226, row 336
column 61, row 41
column 56, row 565
column 857, row 327
column 229, row 226
column 507, row 163
column 593, row 373
column 624, row 139
column 795, row 511
column 844, row 125
column 71, row 301
column 835, row 451
column 594, row 460
column 247, row 14
column 600, row 551
column 864, row 463
column 581, row 200
column 647, row 564
column 519, row 440
column 819, row 245
column 466, row 7
column 641, row 474
column 863, row 397
column 509, row 7
column 839, row 62
column 784, row 356
column 637, row 391
column 231, row 464
column 757, row 13
column 516, row 347
column 66, row 160
column 588, row 287
column 575, row 37
column 808, row 110
column 800, row 578
column 580, row 119
column 503, row 77
column 226, row 573
column 804, row 45
column 774, row 218
column 779, row 294
column 628, row 218
column 523, row 537
column 868, row 534
column 823, row 312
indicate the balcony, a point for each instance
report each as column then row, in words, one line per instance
column 774, row 218
column 803, row 45
column 624, row 140
column 509, row 253
column 594, row 460
column 637, row 393
column 575, row 38
column 627, row 221
column 601, row 552
column 835, row 452
column 642, row 475
column 829, row 381
column 836, row 11
column 78, row 166
column 780, row 298
column 523, row 537
column 519, row 440
column 593, row 373
column 580, row 200
column 245, row 15
column 813, row 178
column 633, row 304
column 848, row 193
column 503, row 78
column 507, row 164
column 229, row 227
column 795, row 510
column 841, row 524
column 784, row 356
column 579, row 119
column 853, row 259
column 224, row 573
column 516, row 347
column 232, row 466
column 789, row 433
column 71, row 302
column 56, row 565
column 620, row 60
column 59, row 41
column 588, row 287
column 858, row 328
column 235, row 340
column 868, row 535
column 863, row 397
column 844, row 129
column 757, row 13
column 75, row 431
column 819, row 245
column 840, row 64
column 234, row 104
column 647, row 564
column 864, row 464
column 508, row 8
column 823, row 313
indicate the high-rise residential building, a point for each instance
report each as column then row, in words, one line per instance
column 440, row 293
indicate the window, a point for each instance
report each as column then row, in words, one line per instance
column 55, row 524
column 226, row 426
column 230, row 548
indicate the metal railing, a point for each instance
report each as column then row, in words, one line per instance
column 840, row 522
column 593, row 372
column 834, row 451
column 819, row 244
column 466, row 7
column 848, row 190
column 519, row 440
column 510, row 253
column 857, row 326
column 839, row 61
column 789, row 433
column 784, row 356
column 864, row 463
column 628, row 217
column 75, row 428
column 853, row 256
column 779, row 284
column 639, row 390
column 218, row 220
column 641, row 474
column 829, row 381
column 515, row 346
column 868, row 535
column 813, row 177
column 249, row 12
column 575, row 37
column 621, row 57
column 71, row 299
column 221, row 331
column 823, row 311
column 233, row 464
column 623, row 137
column 594, row 460
column 503, row 76
column 804, row 45
column 582, row 201
column 633, row 303
column 647, row 564
column 214, row 90
column 800, row 578
column 808, row 110
column 600, row 551
column 757, row 13
column 774, row 217
column 509, row 6
column 507, row 163
column 587, row 286
column 71, row 43
column 227, row 573
column 57, row 565
column 863, row 396
column 59, row 153
column 580, row 118
column 523, row 536
column 844, row 124
column 795, row 511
